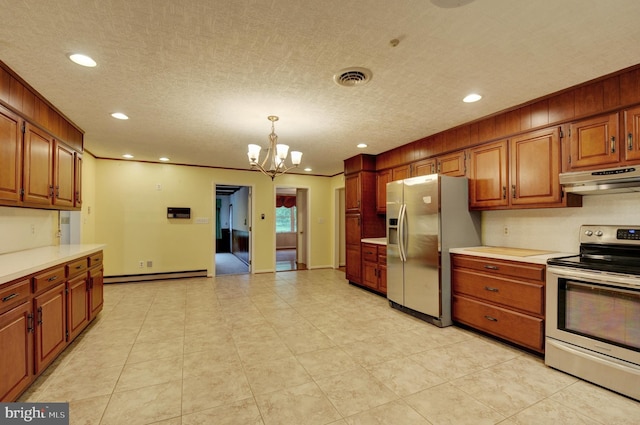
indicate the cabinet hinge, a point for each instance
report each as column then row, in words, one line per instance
column 569, row 159
column 569, row 132
column 67, row 335
column 66, row 290
column 561, row 134
column 24, row 128
column 21, row 191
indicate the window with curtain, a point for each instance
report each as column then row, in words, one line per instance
column 286, row 214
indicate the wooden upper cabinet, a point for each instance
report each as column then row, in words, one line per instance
column 64, row 175
column 594, row 143
column 453, row 164
column 382, row 178
column 401, row 173
column 631, row 140
column 488, row 178
column 352, row 193
column 10, row 157
column 535, row 166
column 77, row 198
column 37, row 169
column 424, row 167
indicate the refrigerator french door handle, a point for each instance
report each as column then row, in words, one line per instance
column 401, row 233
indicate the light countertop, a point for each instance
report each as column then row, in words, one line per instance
column 15, row 265
column 511, row 254
column 377, row 241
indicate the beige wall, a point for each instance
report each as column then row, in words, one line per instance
column 130, row 216
column 25, row 228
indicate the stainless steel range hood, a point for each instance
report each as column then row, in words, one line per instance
column 596, row 182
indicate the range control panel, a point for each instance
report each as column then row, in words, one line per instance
column 605, row 234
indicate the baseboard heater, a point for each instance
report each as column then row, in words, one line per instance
column 129, row 278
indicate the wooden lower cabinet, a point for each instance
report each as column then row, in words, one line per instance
column 50, row 327
column 41, row 314
column 96, row 290
column 502, row 298
column 374, row 267
column 77, row 305
column 16, row 356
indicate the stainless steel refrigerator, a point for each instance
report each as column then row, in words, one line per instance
column 426, row 216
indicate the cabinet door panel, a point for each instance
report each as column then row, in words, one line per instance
column 96, row 291
column 16, row 357
column 488, row 175
column 64, row 176
column 354, row 266
column 38, row 162
column 453, row 164
column 77, row 305
column 77, row 182
column 352, row 229
column 10, row 157
column 632, row 134
column 401, row 173
column 424, row 167
column 382, row 178
column 535, row 166
column 593, row 142
column 50, row 309
column 352, row 193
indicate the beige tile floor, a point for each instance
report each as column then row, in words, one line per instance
column 301, row 348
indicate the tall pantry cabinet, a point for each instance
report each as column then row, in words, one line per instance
column 361, row 219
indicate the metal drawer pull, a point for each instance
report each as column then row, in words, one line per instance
column 79, row 267
column 8, row 297
column 29, row 322
column 630, row 140
column 613, row 144
column 493, row 319
column 490, row 289
column 40, row 315
column 52, row 278
column 486, row 266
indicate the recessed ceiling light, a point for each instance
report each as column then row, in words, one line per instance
column 127, row 155
column 83, row 60
column 120, row 116
column 473, row 97
column 164, row 159
column 307, row 169
column 361, row 145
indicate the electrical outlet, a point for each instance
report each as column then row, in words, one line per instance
column 141, row 264
column 506, row 231
column 149, row 263
column 33, row 229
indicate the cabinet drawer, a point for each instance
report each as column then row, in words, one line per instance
column 369, row 252
column 501, row 267
column 520, row 295
column 76, row 268
column 14, row 293
column 382, row 259
column 95, row 260
column 48, row 279
column 510, row 325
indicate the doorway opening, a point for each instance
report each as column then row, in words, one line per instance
column 233, row 230
column 291, row 228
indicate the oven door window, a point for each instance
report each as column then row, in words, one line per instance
column 601, row 312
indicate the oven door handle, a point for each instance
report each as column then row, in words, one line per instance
column 628, row 281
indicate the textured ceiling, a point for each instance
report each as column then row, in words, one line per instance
column 199, row 78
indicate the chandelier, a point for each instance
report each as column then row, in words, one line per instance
column 273, row 164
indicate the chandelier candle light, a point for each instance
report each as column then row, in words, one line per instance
column 273, row 164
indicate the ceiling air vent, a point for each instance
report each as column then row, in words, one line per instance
column 351, row 77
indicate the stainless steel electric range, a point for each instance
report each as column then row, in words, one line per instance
column 593, row 309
